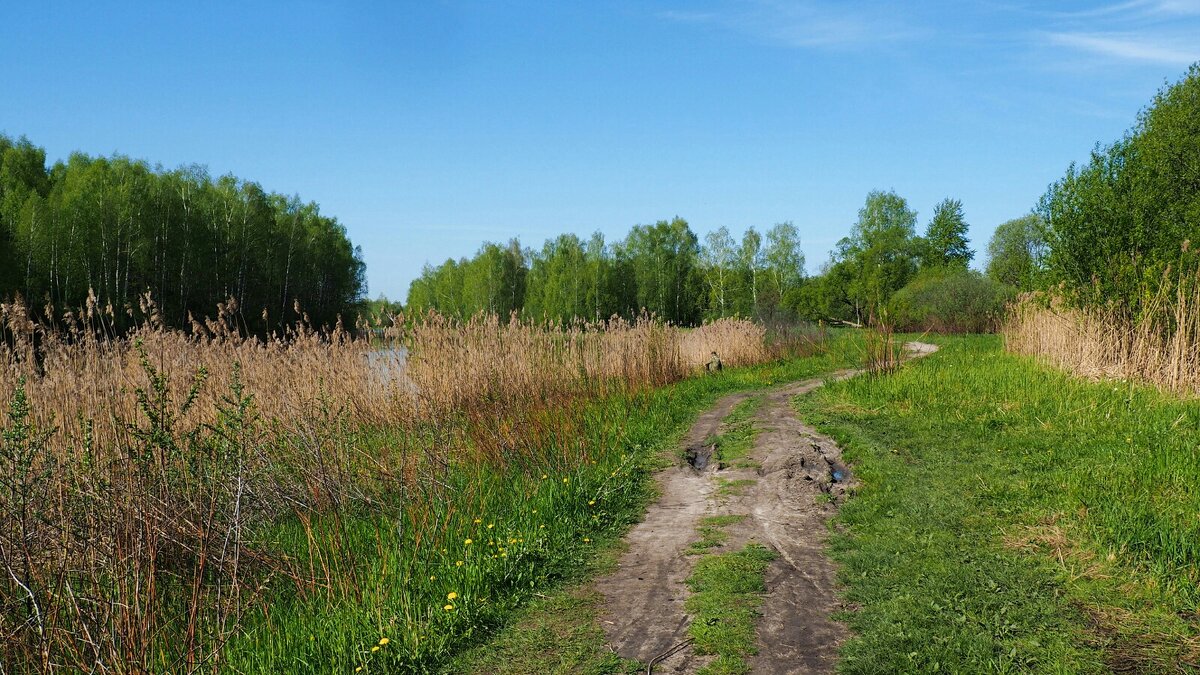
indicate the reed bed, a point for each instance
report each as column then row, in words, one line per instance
column 158, row 488
column 1159, row 344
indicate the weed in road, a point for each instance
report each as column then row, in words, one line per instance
column 727, row 590
column 712, row 532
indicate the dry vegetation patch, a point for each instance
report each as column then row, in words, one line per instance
column 154, row 485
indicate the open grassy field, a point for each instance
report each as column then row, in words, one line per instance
column 1014, row 518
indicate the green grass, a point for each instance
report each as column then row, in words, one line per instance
column 712, row 532
column 1012, row 518
column 727, row 590
column 738, row 431
column 506, row 536
column 733, row 487
column 557, row 632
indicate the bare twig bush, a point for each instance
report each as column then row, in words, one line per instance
column 138, row 472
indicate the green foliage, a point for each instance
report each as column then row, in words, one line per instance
column 955, row 300
column 945, row 243
column 719, row 259
column 122, row 228
column 727, row 590
column 1014, row 519
column 1017, row 252
column 1119, row 220
column 878, row 258
column 664, row 258
column 659, row 268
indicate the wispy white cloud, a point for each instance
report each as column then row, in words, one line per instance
column 1127, row 10
column 1161, row 32
column 1131, row 47
column 805, row 25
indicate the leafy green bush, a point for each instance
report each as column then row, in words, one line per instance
column 949, row 301
column 1118, row 221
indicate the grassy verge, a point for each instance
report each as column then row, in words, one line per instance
column 1013, row 518
column 557, row 632
column 517, row 531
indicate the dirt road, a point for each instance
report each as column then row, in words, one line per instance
column 798, row 481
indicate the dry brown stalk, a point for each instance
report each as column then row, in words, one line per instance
column 1160, row 345
column 152, row 458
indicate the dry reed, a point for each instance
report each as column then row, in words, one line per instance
column 1159, row 345
column 138, row 470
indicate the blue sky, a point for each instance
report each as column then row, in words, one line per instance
column 428, row 127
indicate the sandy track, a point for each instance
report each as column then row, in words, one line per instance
column 798, row 483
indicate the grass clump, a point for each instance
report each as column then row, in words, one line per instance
column 733, row 487
column 712, row 532
column 1013, row 518
column 727, row 591
column 737, row 436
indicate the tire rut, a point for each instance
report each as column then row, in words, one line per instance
column 799, row 480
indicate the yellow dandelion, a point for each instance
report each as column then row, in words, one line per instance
column 535, row 510
column 448, row 607
column 491, row 525
column 383, row 641
column 358, row 669
column 458, row 563
column 566, row 480
column 375, row 648
column 541, row 527
column 478, row 521
column 585, row 539
column 432, row 578
column 451, row 595
column 544, row 476
column 467, row 542
column 592, row 502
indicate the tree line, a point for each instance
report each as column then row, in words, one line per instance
column 119, row 228
column 661, row 268
column 883, row 271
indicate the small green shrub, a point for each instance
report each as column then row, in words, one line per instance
column 949, row 301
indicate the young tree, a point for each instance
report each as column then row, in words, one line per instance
column 784, row 262
column 750, row 264
column 719, row 259
column 879, row 256
column 1017, row 252
column 946, row 243
column 664, row 259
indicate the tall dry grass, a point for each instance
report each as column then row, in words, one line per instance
column 1160, row 344
column 139, row 472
